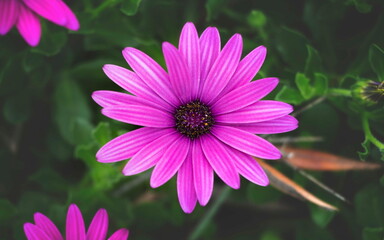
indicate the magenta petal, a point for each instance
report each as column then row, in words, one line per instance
column 223, row 69
column 29, row 26
column 217, row 155
column 258, row 112
column 209, row 50
column 128, row 144
column 246, row 142
column 9, row 11
column 185, row 188
column 49, row 9
column 75, row 229
column 32, row 232
column 190, row 49
column 170, row 162
column 202, row 174
column 121, row 234
column 99, row 226
column 45, row 224
column 151, row 73
column 244, row 96
column 150, row 154
column 279, row 125
column 72, row 22
column 140, row 115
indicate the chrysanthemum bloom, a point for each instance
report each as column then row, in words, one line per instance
column 45, row 229
column 24, row 14
column 199, row 118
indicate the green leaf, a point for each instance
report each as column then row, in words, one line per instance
column 17, row 108
column 321, row 216
column 55, row 184
column 270, row 235
column 302, row 83
column 373, row 233
column 262, row 195
column 214, row 8
column 51, row 44
column 369, row 204
column 257, row 19
column 289, row 95
column 313, row 62
column 376, row 59
column 361, row 5
column 102, row 133
column 7, row 210
column 320, row 84
column 130, row 7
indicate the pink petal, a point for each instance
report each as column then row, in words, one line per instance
column 202, row 174
column 190, row 49
column 29, row 26
column 150, row 154
column 121, row 234
column 140, row 115
column 47, row 226
column 244, row 96
column 223, row 69
column 128, row 144
column 258, row 112
column 9, row 11
column 170, row 162
column 72, row 22
column 246, row 142
column 185, row 188
column 49, row 9
column 151, row 73
column 75, row 229
column 33, row 232
column 209, row 50
column 99, row 226
column 218, row 157
column 279, row 125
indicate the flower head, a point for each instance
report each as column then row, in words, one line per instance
column 24, row 14
column 199, row 118
column 45, row 229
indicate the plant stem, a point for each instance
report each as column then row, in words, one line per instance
column 368, row 133
column 340, row 92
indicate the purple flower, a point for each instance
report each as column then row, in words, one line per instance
column 45, row 229
column 24, row 14
column 199, row 118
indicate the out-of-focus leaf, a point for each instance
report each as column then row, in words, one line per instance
column 55, row 184
column 130, row 7
column 313, row 62
column 289, row 95
column 257, row 19
column 262, row 195
column 303, row 85
column 369, row 204
column 51, row 44
column 321, row 161
column 286, row 185
column 214, row 7
column 270, row 235
column 321, row 84
column 376, row 59
column 102, row 133
column 7, row 210
column 321, row 216
column 361, row 5
column 17, row 108
column 32, row 60
column 150, row 215
column 373, row 233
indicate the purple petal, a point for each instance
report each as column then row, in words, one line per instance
column 185, row 188
column 9, row 11
column 140, row 115
column 170, row 162
column 244, row 96
column 190, row 49
column 72, row 22
column 29, row 26
column 49, row 9
column 47, row 226
column 99, row 226
column 246, row 142
column 258, row 112
column 202, row 174
column 33, row 232
column 223, row 69
column 75, row 229
column 279, row 125
column 128, row 144
column 121, row 234
column 209, row 50
column 217, row 155
column 151, row 73
column 150, row 154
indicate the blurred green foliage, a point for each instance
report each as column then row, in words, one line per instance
column 50, row 128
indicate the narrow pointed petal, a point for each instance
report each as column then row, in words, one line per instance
column 189, row 47
column 45, row 224
column 29, row 26
column 72, row 22
column 128, row 144
column 209, row 50
column 223, row 69
column 279, row 125
column 99, row 226
column 202, row 174
column 246, row 142
column 9, row 11
column 150, row 154
column 49, row 9
column 179, row 74
column 121, row 234
column 151, row 73
column 244, row 96
column 218, row 157
column 32, row 232
column 248, row 167
column 185, row 188
column 257, row 112
column 170, row 162
column 75, row 229
column 140, row 115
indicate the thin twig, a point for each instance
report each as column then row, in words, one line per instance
column 131, row 184
column 286, row 140
column 309, row 105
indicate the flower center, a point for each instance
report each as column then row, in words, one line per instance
column 193, row 119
